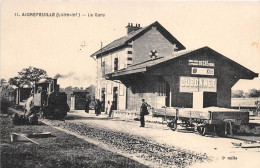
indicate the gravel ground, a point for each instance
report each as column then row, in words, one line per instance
column 156, row 145
column 219, row 149
column 163, row 155
column 60, row 150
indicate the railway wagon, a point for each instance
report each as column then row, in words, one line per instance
column 210, row 119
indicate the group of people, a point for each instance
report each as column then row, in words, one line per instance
column 98, row 106
column 109, row 109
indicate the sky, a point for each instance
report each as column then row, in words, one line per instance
column 64, row 44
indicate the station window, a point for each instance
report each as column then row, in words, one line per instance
column 129, row 52
column 103, row 66
column 115, row 64
column 161, row 88
column 129, row 58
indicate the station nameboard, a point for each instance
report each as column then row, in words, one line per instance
column 204, row 63
column 197, row 84
column 202, row 71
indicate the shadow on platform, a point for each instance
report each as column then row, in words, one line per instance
column 101, row 117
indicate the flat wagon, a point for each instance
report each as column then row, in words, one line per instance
column 211, row 119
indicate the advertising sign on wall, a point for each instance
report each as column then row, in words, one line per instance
column 197, row 84
column 202, row 71
column 204, row 63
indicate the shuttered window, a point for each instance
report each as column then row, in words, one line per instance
column 115, row 64
column 103, row 66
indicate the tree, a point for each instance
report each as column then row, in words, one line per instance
column 253, row 93
column 6, row 88
column 3, row 81
column 27, row 76
column 91, row 91
column 237, row 93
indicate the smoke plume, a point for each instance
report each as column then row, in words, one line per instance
column 68, row 75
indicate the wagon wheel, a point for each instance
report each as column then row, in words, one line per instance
column 196, row 127
column 41, row 115
column 202, row 130
column 220, row 130
column 173, row 125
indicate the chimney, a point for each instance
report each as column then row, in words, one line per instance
column 55, row 85
column 130, row 27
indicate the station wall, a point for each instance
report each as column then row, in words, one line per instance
column 152, row 40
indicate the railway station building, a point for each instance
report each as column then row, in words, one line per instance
column 150, row 63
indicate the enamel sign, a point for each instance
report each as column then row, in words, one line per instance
column 202, row 71
column 197, row 84
column 203, row 63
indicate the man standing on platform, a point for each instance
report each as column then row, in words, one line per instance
column 112, row 105
column 87, row 106
column 143, row 112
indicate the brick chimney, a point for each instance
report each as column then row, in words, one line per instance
column 130, row 27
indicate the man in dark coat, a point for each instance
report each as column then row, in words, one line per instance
column 98, row 107
column 87, row 106
column 143, row 112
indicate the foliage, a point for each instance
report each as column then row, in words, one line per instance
column 6, row 89
column 4, row 105
column 27, row 76
column 242, row 94
column 69, row 90
column 253, row 93
column 3, row 81
column 91, row 91
column 237, row 93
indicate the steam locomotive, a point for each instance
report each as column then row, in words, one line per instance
column 47, row 100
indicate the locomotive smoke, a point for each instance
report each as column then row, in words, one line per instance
column 84, row 78
column 70, row 74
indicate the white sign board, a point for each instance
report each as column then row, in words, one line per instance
column 197, row 84
column 202, row 71
column 204, row 63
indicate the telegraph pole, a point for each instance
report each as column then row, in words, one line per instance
column 101, row 53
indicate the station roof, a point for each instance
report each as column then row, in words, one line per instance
column 149, row 64
column 123, row 41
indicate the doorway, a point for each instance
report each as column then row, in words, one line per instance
column 209, row 99
column 167, row 98
column 103, row 99
column 115, row 97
